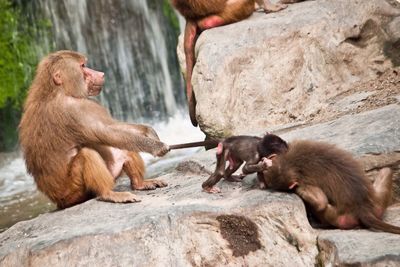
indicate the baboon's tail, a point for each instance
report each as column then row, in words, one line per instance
column 369, row 220
column 208, row 144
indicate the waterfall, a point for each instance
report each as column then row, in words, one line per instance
column 132, row 41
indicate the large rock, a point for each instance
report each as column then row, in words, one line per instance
column 175, row 226
column 289, row 66
column 371, row 132
column 243, row 226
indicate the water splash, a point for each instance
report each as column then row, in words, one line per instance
column 177, row 130
column 14, row 179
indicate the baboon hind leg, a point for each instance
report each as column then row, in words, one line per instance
column 90, row 177
column 317, row 200
column 209, row 184
column 135, row 169
column 383, row 185
column 234, row 165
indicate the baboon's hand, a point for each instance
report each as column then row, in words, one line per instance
column 266, row 163
column 161, row 150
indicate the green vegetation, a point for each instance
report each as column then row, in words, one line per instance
column 18, row 59
column 170, row 14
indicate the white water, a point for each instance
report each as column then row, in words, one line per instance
column 14, row 180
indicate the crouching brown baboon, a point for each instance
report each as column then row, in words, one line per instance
column 72, row 146
column 332, row 183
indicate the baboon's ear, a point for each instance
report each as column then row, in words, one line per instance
column 57, row 78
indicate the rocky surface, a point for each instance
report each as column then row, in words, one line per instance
column 175, row 226
column 360, row 248
column 243, row 226
column 291, row 66
column 371, row 132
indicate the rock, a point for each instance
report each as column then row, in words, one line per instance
column 182, row 226
column 353, row 101
column 360, row 248
column 371, row 132
column 175, row 226
column 289, row 66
